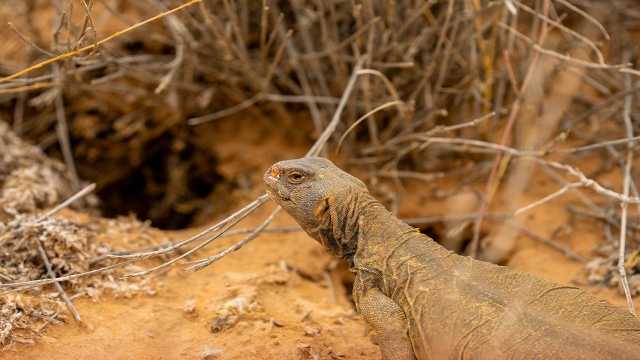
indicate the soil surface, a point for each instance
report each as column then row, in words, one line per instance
column 293, row 311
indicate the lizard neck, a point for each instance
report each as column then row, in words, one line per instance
column 340, row 228
column 378, row 227
column 381, row 233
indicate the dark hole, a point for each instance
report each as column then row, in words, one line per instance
column 134, row 46
column 169, row 187
column 167, row 50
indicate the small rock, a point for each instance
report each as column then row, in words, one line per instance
column 307, row 352
column 311, row 331
column 189, row 307
column 229, row 313
column 210, row 353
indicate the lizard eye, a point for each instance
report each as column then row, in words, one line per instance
column 295, row 177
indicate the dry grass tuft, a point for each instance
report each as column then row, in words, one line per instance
column 29, row 183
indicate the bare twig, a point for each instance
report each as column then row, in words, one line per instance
column 62, row 129
column 228, row 225
column 96, row 44
column 623, row 68
column 547, row 198
column 262, row 97
column 28, row 41
column 80, row 194
column 364, row 117
column 45, row 258
column 244, row 211
column 333, row 124
column 493, row 180
column 563, row 249
column 201, row 264
column 625, row 191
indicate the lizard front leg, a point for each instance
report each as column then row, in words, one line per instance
column 387, row 320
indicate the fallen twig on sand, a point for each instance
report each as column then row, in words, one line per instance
column 45, row 258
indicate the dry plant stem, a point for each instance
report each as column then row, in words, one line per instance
column 364, row 117
column 388, row 84
column 80, row 194
column 235, row 232
column 583, row 180
column 28, row 41
column 201, row 264
column 256, row 99
column 229, row 225
column 625, row 191
column 586, row 16
column 427, row 137
column 623, row 68
column 62, row 128
column 96, row 44
column 515, row 152
column 333, row 124
column 174, row 246
column 302, row 77
column 561, row 248
column 565, row 29
column 19, row 89
column 89, row 21
column 547, row 198
column 474, row 122
column 43, row 254
column 45, row 259
column 175, row 27
column 628, row 141
column 25, row 285
column 493, row 181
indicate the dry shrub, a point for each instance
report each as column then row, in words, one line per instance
column 444, row 60
column 73, row 247
column 29, row 183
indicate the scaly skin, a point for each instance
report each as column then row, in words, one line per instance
column 426, row 302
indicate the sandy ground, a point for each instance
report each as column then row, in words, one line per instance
column 291, row 316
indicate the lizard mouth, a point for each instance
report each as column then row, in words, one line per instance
column 272, row 181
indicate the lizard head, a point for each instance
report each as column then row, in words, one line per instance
column 317, row 194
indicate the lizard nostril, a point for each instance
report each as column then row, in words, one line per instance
column 275, row 172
